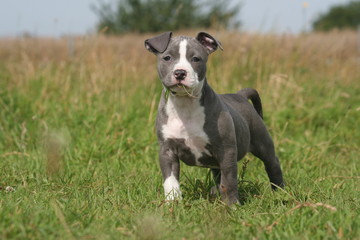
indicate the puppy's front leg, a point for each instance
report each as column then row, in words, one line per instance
column 228, row 183
column 170, row 168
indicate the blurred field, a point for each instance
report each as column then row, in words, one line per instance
column 78, row 145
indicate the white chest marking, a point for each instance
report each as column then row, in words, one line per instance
column 186, row 119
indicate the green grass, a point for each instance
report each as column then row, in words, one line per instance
column 78, row 144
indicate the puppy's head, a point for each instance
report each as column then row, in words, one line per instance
column 182, row 60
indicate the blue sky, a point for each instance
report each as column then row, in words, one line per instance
column 61, row 17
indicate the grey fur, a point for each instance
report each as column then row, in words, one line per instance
column 233, row 125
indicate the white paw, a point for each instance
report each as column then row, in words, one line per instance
column 172, row 188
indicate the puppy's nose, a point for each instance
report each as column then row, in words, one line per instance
column 180, row 74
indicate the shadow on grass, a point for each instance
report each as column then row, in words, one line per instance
column 200, row 189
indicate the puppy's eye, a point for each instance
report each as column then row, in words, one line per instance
column 167, row 58
column 196, row 59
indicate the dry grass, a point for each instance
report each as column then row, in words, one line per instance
column 107, row 57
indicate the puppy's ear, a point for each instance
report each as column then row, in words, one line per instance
column 208, row 41
column 159, row 43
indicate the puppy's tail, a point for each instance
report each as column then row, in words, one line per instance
column 253, row 95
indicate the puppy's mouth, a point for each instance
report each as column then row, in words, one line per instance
column 181, row 90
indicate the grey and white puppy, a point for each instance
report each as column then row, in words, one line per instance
column 200, row 127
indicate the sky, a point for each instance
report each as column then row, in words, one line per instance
column 55, row 18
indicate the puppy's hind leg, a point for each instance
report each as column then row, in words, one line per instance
column 263, row 148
